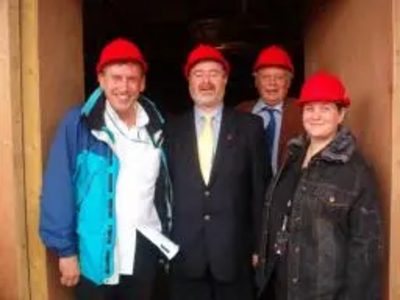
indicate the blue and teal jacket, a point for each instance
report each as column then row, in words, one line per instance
column 77, row 215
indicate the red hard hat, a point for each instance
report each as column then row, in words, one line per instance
column 323, row 87
column 273, row 56
column 120, row 50
column 205, row 52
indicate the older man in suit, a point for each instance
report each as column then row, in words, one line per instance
column 273, row 72
column 219, row 173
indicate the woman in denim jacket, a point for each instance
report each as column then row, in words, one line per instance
column 322, row 237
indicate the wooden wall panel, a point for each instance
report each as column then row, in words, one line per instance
column 52, row 82
column 61, row 87
column 394, row 258
column 353, row 39
column 13, row 255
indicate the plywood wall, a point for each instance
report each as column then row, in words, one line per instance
column 354, row 39
column 394, row 258
column 62, row 86
column 52, row 47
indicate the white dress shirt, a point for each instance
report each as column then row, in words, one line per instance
column 139, row 163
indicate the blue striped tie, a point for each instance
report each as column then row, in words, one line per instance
column 270, row 132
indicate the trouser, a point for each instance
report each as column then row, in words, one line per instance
column 275, row 289
column 138, row 286
column 209, row 288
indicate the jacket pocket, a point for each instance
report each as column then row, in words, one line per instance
column 331, row 203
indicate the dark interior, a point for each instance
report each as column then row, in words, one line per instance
column 166, row 30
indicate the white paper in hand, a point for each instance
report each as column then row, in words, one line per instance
column 164, row 244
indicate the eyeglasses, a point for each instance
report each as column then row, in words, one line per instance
column 277, row 78
column 213, row 74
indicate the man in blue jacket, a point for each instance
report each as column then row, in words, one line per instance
column 105, row 179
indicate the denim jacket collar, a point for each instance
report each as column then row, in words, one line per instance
column 339, row 150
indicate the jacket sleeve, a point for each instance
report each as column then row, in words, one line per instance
column 57, row 208
column 163, row 194
column 364, row 265
column 261, row 175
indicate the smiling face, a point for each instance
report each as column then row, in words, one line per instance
column 122, row 84
column 272, row 84
column 207, row 82
column 322, row 119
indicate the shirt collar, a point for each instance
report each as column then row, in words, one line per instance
column 260, row 105
column 142, row 118
column 216, row 114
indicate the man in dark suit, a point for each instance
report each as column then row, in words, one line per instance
column 219, row 172
column 273, row 72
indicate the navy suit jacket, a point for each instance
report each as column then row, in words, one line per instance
column 217, row 225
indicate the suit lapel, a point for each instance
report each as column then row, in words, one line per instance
column 225, row 138
column 283, row 135
column 189, row 148
column 291, row 126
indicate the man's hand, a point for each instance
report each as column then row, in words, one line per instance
column 69, row 269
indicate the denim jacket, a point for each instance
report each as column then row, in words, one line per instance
column 335, row 242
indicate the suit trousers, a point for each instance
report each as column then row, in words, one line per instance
column 138, row 286
column 209, row 288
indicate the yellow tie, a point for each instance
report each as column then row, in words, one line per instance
column 205, row 146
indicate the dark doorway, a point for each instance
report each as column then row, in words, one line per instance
column 166, row 30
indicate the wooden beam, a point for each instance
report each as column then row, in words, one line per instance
column 32, row 145
column 13, row 259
